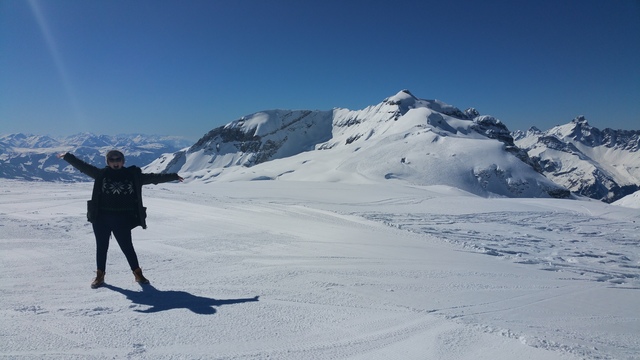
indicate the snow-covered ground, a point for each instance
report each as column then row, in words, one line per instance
column 632, row 201
column 308, row 270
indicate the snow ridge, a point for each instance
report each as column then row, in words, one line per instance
column 600, row 164
column 422, row 142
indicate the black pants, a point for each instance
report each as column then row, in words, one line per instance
column 120, row 226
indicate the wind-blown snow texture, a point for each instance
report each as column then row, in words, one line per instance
column 321, row 270
column 423, row 142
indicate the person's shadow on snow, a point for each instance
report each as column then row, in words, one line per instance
column 166, row 300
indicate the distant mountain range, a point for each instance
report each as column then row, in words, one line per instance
column 33, row 157
column 403, row 138
column 600, row 164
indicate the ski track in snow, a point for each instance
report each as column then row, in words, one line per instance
column 294, row 273
column 591, row 247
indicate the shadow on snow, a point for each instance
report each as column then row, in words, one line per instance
column 167, row 300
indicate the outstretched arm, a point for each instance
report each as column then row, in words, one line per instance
column 151, row 178
column 82, row 166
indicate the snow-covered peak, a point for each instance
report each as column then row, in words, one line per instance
column 405, row 101
column 580, row 120
column 533, row 131
column 602, row 164
column 260, row 123
column 404, row 97
column 20, row 140
column 519, row 134
column 403, row 138
column 578, row 130
column 581, row 133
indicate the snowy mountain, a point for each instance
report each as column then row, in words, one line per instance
column 422, row 142
column 632, row 201
column 600, row 164
column 33, row 157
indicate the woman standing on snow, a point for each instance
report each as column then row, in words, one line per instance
column 116, row 207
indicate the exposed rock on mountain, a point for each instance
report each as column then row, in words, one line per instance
column 600, row 164
column 423, row 142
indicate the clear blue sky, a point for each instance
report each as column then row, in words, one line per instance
column 186, row 67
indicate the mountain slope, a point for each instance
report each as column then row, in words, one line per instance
column 33, row 157
column 601, row 164
column 422, row 142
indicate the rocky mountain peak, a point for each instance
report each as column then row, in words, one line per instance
column 580, row 120
column 601, row 164
column 423, row 142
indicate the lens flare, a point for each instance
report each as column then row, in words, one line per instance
column 58, row 61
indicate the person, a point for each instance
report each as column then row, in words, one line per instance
column 116, row 207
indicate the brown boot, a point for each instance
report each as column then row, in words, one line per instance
column 140, row 279
column 99, row 280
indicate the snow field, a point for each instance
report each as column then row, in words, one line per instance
column 303, row 270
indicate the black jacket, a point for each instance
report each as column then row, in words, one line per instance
column 139, row 179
